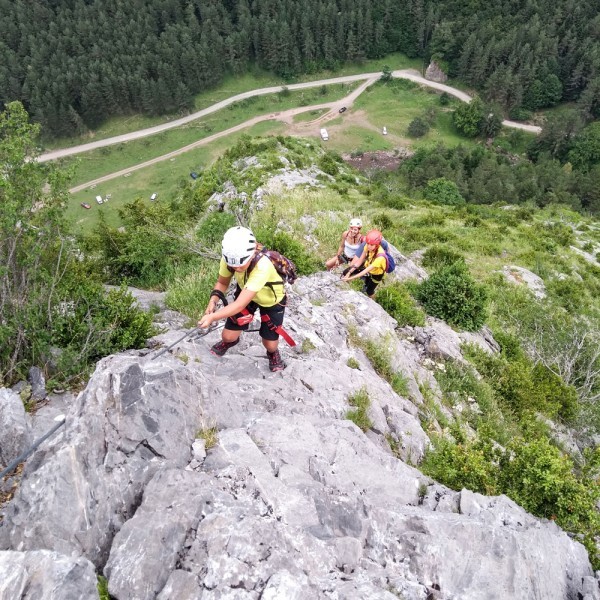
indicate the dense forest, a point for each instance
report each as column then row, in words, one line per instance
column 73, row 63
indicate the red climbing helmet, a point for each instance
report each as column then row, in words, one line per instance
column 374, row 237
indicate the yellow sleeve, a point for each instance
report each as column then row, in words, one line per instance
column 223, row 270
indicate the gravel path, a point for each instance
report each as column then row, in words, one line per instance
column 285, row 116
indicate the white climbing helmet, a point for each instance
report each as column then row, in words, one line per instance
column 355, row 223
column 239, row 245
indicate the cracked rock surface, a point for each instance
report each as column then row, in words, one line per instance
column 293, row 501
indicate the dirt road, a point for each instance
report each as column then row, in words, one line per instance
column 410, row 74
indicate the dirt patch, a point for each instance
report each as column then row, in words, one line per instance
column 378, row 160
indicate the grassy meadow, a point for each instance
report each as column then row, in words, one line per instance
column 231, row 86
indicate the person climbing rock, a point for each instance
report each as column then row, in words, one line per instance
column 259, row 287
column 375, row 263
column 349, row 244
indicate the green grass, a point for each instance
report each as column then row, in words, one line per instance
column 103, row 161
column 231, row 86
column 394, row 105
column 160, row 178
column 359, row 416
column 310, row 115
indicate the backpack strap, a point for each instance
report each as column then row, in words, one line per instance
column 262, row 251
column 384, row 254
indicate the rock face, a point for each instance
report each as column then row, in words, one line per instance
column 47, row 575
column 293, row 501
column 15, row 431
column 521, row 276
column 434, row 73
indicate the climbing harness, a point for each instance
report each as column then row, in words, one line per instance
column 246, row 317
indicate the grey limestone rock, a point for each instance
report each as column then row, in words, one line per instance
column 46, row 575
column 15, row 430
column 435, row 73
column 38, row 384
column 294, row 500
column 522, row 276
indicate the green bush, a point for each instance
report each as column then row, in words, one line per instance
column 443, row 191
column 91, row 324
column 451, row 294
column 568, row 293
column 531, row 471
column 439, row 256
column 382, row 221
column 399, row 304
column 535, row 474
column 520, row 114
column 418, row 127
column 559, row 399
column 288, row 246
column 361, row 401
column 211, row 229
column 328, row 164
column 468, row 465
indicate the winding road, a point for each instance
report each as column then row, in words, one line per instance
column 368, row 78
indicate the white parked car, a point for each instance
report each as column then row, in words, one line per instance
column 153, row 197
column 99, row 199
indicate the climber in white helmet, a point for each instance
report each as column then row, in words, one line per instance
column 259, row 286
column 349, row 244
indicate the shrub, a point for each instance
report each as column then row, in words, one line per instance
column 92, row 324
column 468, row 465
column 328, row 164
column 438, row 256
column 359, row 416
column 418, row 127
column 535, row 474
column 353, row 363
column 443, row 191
column 559, row 398
column 382, row 221
column 211, row 229
column 451, row 294
column 285, row 244
column 399, row 304
column 568, row 293
column 444, row 99
column 520, row 114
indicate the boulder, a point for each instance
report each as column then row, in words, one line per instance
column 48, row 575
column 15, row 429
column 435, row 73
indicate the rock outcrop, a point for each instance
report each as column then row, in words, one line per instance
column 293, row 501
column 435, row 73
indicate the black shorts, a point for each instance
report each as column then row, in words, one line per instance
column 344, row 260
column 371, row 282
column 275, row 312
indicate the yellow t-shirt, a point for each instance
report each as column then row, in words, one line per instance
column 263, row 272
column 379, row 263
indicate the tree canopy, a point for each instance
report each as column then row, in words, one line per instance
column 74, row 63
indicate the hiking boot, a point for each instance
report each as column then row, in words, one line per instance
column 275, row 361
column 221, row 347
